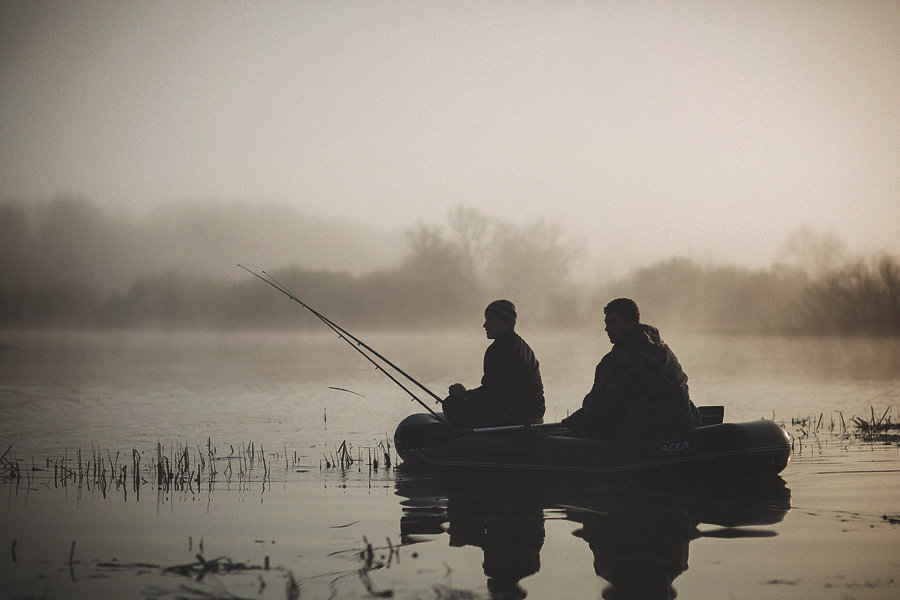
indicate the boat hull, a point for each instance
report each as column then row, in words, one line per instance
column 724, row 450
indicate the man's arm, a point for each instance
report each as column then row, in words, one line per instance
column 602, row 405
column 457, row 390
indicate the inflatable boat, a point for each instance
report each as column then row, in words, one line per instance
column 722, row 450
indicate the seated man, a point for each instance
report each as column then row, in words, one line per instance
column 511, row 391
column 639, row 387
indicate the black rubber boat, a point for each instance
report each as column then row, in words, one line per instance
column 720, row 451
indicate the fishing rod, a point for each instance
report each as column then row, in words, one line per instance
column 340, row 330
column 347, row 337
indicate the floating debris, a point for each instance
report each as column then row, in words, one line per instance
column 219, row 566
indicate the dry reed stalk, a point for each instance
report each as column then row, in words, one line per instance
column 386, row 449
column 211, row 456
column 262, row 455
column 293, row 588
column 159, row 464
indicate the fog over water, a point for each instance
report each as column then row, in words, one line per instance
column 74, row 240
column 646, row 130
column 733, row 166
column 71, row 263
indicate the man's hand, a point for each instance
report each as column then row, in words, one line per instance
column 457, row 390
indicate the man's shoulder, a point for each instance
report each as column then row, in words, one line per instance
column 511, row 344
column 634, row 357
column 504, row 343
column 509, row 338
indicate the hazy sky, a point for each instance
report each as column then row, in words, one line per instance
column 651, row 129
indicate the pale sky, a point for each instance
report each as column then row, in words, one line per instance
column 710, row 130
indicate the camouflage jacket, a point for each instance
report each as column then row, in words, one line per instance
column 639, row 387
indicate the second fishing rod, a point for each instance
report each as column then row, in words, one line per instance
column 354, row 341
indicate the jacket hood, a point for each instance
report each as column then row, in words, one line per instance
column 644, row 336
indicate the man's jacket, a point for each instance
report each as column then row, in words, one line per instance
column 639, row 388
column 511, row 385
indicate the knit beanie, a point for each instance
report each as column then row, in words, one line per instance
column 503, row 310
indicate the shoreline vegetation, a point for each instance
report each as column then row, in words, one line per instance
column 194, row 469
column 183, row 469
column 61, row 259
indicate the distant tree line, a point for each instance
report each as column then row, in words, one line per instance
column 445, row 277
column 859, row 297
column 863, row 297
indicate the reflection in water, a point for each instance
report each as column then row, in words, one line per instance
column 640, row 553
column 510, row 533
column 509, row 529
column 639, row 537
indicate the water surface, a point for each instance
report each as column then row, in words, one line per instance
column 827, row 529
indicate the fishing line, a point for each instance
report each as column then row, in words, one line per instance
column 286, row 304
column 344, row 334
column 358, row 345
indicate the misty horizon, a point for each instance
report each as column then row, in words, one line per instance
column 645, row 130
column 71, row 263
column 73, row 240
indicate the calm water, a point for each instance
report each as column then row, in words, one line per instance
column 828, row 530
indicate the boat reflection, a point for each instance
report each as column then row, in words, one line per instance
column 639, row 536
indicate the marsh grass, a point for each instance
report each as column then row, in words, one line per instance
column 814, row 430
column 181, row 471
column 879, row 429
column 378, row 456
column 9, row 468
column 173, row 468
column 191, row 469
column 182, row 468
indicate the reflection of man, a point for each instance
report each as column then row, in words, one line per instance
column 511, row 534
column 639, row 386
column 507, row 523
column 640, row 553
column 511, row 391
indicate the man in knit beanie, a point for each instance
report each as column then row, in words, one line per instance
column 511, row 390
